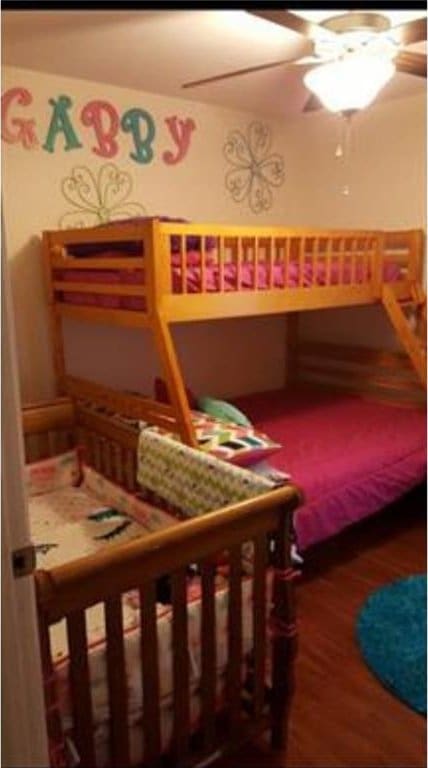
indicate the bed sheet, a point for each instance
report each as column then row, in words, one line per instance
column 350, row 456
column 249, row 278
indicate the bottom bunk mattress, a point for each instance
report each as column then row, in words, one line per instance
column 68, row 522
column 350, row 456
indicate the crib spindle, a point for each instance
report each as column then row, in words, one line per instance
column 80, row 689
column 53, row 718
column 259, row 622
column 284, row 639
column 208, row 651
column 234, row 638
column 181, row 697
column 150, row 674
column 118, row 695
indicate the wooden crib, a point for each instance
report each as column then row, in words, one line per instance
column 66, row 591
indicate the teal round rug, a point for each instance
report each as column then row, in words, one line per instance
column 392, row 635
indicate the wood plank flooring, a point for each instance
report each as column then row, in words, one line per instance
column 341, row 715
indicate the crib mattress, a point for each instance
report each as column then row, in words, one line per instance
column 70, row 522
column 307, row 274
column 351, row 457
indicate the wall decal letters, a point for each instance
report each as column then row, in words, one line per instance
column 110, row 133
column 17, row 130
column 103, row 118
column 181, row 131
column 131, row 123
column 61, row 123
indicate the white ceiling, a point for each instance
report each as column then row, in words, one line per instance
column 158, row 51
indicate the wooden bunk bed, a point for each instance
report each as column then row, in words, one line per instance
column 152, row 273
column 67, row 592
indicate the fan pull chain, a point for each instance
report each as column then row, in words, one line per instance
column 343, row 150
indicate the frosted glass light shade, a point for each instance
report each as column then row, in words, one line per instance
column 350, row 83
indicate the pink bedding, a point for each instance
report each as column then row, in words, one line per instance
column 314, row 273
column 349, row 456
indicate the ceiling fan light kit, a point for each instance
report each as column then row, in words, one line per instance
column 351, row 83
column 355, row 53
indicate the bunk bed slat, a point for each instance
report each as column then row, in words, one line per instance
column 100, row 288
column 181, row 695
column 221, row 258
column 208, row 651
column 203, row 265
column 116, row 676
column 234, row 639
column 150, row 675
column 80, row 688
column 121, row 262
column 183, row 266
column 270, row 260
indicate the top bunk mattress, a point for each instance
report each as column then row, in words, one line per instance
column 350, row 456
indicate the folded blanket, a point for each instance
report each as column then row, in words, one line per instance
column 192, row 481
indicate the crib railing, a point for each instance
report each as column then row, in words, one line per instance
column 67, row 591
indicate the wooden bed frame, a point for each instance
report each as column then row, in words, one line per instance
column 361, row 252
column 67, row 590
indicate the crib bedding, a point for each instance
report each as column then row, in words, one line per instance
column 350, row 456
column 309, row 273
column 68, row 522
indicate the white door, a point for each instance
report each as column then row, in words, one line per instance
column 24, row 740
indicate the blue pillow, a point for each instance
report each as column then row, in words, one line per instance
column 223, row 411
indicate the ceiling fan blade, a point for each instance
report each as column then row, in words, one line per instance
column 306, row 61
column 294, row 22
column 412, row 32
column 236, row 73
column 411, row 63
column 312, row 104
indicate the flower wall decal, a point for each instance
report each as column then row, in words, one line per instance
column 98, row 198
column 254, row 171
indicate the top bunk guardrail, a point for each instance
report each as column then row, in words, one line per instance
column 124, row 273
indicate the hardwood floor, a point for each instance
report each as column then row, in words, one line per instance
column 341, row 715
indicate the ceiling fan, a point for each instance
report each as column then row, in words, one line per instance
column 355, row 54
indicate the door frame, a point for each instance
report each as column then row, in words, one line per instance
column 23, row 732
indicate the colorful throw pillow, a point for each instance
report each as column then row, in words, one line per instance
column 223, row 411
column 50, row 474
column 162, row 394
column 240, row 445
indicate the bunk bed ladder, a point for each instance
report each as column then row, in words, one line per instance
column 408, row 318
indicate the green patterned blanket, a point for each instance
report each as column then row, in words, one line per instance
column 191, row 480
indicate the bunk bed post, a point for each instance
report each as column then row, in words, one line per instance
column 416, row 256
column 291, row 343
column 55, row 321
column 377, row 255
column 156, row 256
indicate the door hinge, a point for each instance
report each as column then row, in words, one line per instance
column 24, row 561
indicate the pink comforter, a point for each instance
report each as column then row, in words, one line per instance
column 350, row 457
column 314, row 273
